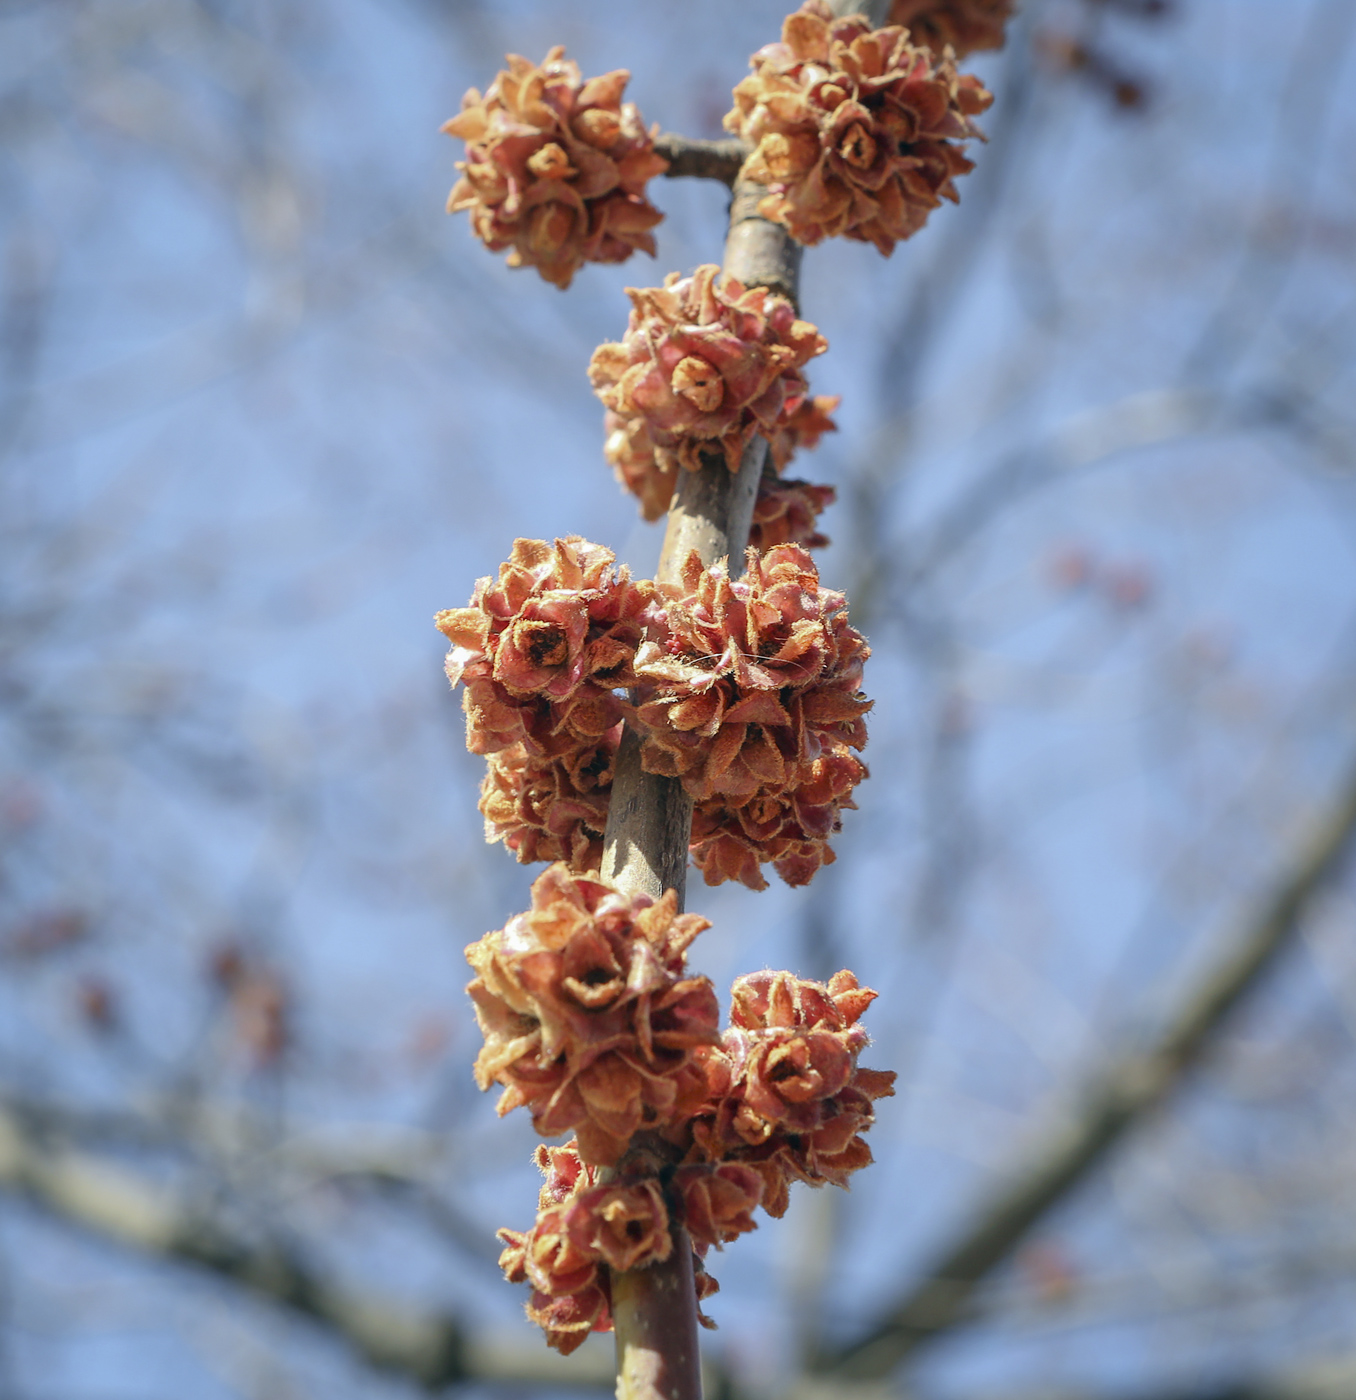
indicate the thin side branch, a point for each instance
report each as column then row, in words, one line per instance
column 1113, row 1105
column 83, row 1189
column 702, row 160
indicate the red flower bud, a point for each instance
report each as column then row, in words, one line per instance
column 856, row 132
column 556, row 168
column 587, row 1016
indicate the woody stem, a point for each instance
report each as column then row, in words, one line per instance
column 702, row 160
column 649, row 822
column 649, row 819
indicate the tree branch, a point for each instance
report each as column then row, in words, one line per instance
column 430, row 1349
column 702, row 160
column 1124, row 1095
column 649, row 821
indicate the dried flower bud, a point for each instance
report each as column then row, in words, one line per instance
column 706, row 1285
column 748, row 691
column 551, row 808
column 565, row 1172
column 541, row 648
column 556, row 168
column 570, row 1294
column 966, row 25
column 786, row 1096
column 718, row 1200
column 803, row 428
column 630, row 449
column 624, row 1226
column 856, row 132
column 587, row 1017
column 783, row 514
column 706, row 365
column 787, row 512
column 780, row 1000
column 788, row 830
column 581, row 1225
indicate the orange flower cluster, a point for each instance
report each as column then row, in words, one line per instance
column 630, row 449
column 582, row 1230
column 966, row 25
column 856, row 132
column 587, row 1017
column 748, row 691
column 705, row 366
column 802, row 429
column 784, row 1100
column 541, row 651
column 556, row 168
column 787, row 1097
column 787, row 512
column 550, row 808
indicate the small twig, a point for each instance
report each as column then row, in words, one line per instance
column 110, row 1201
column 1116, row 1103
column 702, row 160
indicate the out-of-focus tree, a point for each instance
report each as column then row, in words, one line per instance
column 263, row 410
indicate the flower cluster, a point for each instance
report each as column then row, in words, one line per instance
column 556, row 168
column 856, row 132
column 801, row 429
column 705, row 366
column 748, row 691
column 782, row 1100
column 789, row 830
column 541, row 651
column 784, row 512
column 787, row 512
column 966, row 25
column 550, row 808
column 582, row 1230
column 587, row 1016
column 787, row 1097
